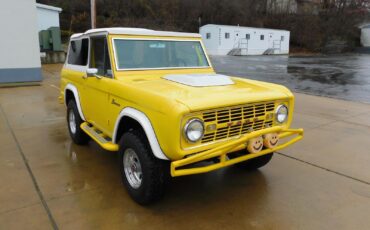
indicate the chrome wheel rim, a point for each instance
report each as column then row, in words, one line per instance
column 132, row 168
column 72, row 122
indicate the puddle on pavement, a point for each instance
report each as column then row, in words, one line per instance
column 323, row 75
column 344, row 77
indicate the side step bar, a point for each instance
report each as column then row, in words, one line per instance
column 99, row 137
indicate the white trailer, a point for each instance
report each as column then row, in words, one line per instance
column 365, row 35
column 237, row 40
column 47, row 16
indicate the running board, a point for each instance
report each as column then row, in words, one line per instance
column 104, row 141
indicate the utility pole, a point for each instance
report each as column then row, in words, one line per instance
column 199, row 22
column 93, row 14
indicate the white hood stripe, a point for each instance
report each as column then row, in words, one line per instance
column 200, row 80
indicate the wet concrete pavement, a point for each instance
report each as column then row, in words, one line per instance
column 323, row 182
column 344, row 77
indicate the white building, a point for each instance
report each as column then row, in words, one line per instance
column 365, row 35
column 48, row 16
column 19, row 42
column 235, row 40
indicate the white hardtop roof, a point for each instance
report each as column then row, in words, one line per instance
column 242, row 27
column 47, row 7
column 136, row 31
column 364, row 25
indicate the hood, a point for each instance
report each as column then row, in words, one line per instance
column 209, row 91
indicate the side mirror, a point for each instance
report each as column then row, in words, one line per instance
column 91, row 72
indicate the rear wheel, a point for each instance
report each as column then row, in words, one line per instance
column 255, row 163
column 74, row 122
column 144, row 176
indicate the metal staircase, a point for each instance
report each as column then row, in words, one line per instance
column 269, row 51
column 276, row 46
column 240, row 47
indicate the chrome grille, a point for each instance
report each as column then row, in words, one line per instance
column 234, row 121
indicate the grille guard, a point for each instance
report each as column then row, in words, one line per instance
column 222, row 151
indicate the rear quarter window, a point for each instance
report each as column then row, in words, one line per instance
column 78, row 52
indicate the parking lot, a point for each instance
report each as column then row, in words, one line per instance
column 47, row 182
column 343, row 76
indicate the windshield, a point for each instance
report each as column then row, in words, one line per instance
column 159, row 54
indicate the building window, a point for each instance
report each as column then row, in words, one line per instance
column 248, row 36
column 227, row 35
column 208, row 35
column 78, row 52
column 282, row 38
column 262, row 37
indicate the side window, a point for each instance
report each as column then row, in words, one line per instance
column 282, row 38
column 78, row 52
column 227, row 35
column 247, row 36
column 208, row 35
column 262, row 37
column 99, row 56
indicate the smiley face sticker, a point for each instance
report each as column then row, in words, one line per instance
column 270, row 140
column 255, row 145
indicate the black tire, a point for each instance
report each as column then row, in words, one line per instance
column 255, row 163
column 154, row 172
column 78, row 136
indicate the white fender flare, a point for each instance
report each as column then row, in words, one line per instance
column 74, row 90
column 146, row 125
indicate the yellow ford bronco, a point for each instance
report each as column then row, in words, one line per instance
column 154, row 97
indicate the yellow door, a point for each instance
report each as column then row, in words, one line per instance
column 97, row 87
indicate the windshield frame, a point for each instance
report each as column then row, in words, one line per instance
column 160, row 68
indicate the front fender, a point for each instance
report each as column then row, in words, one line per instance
column 146, row 125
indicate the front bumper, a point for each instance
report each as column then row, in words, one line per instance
column 178, row 168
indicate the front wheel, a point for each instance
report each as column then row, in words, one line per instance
column 144, row 176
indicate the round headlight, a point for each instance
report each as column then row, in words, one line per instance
column 194, row 130
column 281, row 113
